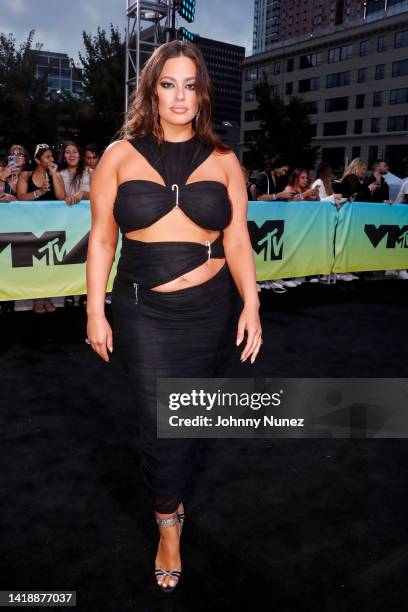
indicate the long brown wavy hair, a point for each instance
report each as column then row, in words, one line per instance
column 143, row 116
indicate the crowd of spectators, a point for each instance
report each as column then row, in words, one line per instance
column 42, row 178
column 276, row 182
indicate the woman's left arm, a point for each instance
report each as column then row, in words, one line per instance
column 57, row 182
column 240, row 259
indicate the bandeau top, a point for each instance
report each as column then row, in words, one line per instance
column 140, row 203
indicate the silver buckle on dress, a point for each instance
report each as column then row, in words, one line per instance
column 177, row 194
column 208, row 245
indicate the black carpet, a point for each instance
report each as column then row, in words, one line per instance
column 294, row 524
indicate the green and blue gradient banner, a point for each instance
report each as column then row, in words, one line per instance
column 43, row 248
column 43, row 245
column 292, row 238
column 371, row 237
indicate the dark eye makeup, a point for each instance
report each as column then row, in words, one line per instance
column 167, row 84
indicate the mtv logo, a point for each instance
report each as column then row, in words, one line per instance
column 396, row 235
column 50, row 247
column 267, row 239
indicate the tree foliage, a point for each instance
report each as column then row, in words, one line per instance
column 29, row 115
column 103, row 66
column 24, row 113
column 284, row 129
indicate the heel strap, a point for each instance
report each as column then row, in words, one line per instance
column 167, row 522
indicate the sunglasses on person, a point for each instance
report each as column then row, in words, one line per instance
column 40, row 147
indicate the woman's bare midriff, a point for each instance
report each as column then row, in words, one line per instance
column 181, row 229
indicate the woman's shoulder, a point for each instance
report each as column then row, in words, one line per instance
column 228, row 159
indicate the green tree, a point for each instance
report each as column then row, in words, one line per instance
column 284, row 129
column 103, row 66
column 22, row 96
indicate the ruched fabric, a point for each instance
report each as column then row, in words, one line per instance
column 163, row 334
column 140, row 203
column 185, row 333
column 150, row 264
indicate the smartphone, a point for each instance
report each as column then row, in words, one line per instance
column 12, row 160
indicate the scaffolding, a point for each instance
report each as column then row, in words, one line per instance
column 147, row 16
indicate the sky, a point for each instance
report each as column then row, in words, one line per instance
column 59, row 23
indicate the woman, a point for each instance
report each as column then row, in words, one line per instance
column 75, row 174
column 179, row 197
column 297, row 188
column 9, row 173
column 353, row 185
column 77, row 182
column 43, row 183
column 323, row 183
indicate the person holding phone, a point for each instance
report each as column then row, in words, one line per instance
column 352, row 184
column 271, row 183
column 10, row 172
column 298, row 187
column 376, row 183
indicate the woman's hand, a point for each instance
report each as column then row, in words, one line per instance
column 7, row 197
column 6, row 172
column 74, row 199
column 99, row 334
column 52, row 168
column 250, row 321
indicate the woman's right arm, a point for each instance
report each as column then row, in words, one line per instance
column 22, row 188
column 102, row 244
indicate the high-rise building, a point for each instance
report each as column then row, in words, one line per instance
column 61, row 74
column 280, row 22
column 356, row 82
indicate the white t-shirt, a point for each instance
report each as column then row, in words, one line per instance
column 83, row 185
column 400, row 199
column 318, row 184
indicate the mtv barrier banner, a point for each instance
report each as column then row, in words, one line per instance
column 371, row 237
column 43, row 245
column 43, row 249
column 292, row 238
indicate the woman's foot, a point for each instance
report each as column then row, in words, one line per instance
column 38, row 306
column 49, row 306
column 168, row 552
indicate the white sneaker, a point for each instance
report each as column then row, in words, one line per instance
column 328, row 279
column 392, row 272
column 314, row 279
column 403, row 274
column 353, row 276
column 277, row 286
column 289, row 283
column 345, row 277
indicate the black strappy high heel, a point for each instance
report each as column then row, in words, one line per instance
column 181, row 517
column 158, row 570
